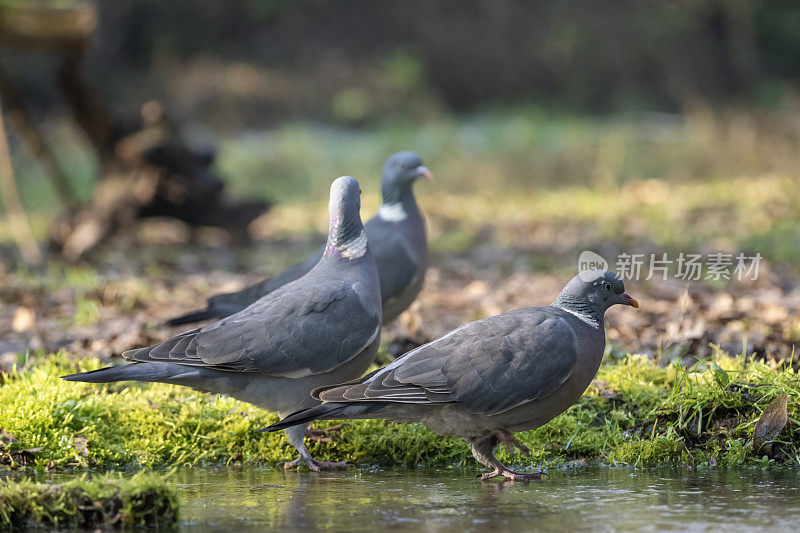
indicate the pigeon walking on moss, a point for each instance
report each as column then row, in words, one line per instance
column 488, row 379
column 396, row 236
column 320, row 329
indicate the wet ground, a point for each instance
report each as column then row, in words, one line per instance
column 101, row 312
column 586, row 499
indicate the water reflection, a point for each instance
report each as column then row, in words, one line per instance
column 600, row 499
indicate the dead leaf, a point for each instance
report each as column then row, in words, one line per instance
column 23, row 457
column 411, row 319
column 771, row 423
column 24, row 319
column 6, row 438
column 604, row 389
column 81, row 445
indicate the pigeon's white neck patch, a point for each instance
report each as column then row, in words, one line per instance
column 589, row 319
column 354, row 248
column 392, row 212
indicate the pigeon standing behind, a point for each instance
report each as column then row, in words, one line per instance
column 320, row 329
column 396, row 237
column 488, row 379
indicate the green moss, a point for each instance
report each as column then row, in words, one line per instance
column 642, row 414
column 128, row 424
column 144, row 499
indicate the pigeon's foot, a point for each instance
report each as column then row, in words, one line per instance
column 314, row 465
column 295, row 436
column 319, row 434
column 511, row 474
column 483, row 450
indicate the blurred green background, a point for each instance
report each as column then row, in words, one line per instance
column 528, row 112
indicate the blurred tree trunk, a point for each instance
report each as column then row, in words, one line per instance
column 20, row 120
column 17, row 219
column 146, row 168
column 729, row 24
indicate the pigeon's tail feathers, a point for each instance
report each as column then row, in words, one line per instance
column 196, row 316
column 306, row 415
column 161, row 372
column 326, row 411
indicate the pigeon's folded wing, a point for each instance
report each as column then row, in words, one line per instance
column 394, row 260
column 296, row 331
column 488, row 366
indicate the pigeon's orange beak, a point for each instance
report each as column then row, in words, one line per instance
column 629, row 300
column 423, row 171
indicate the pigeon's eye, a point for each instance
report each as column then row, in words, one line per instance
column 607, row 286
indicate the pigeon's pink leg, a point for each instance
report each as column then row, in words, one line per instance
column 483, row 450
column 313, row 464
column 319, row 434
column 295, row 436
column 509, row 440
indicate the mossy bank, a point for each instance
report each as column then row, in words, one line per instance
column 637, row 413
column 144, row 499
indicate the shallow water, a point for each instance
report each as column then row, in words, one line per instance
column 588, row 499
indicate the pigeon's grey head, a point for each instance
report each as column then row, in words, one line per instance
column 346, row 237
column 592, row 292
column 400, row 171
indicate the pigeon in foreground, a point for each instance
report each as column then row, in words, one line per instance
column 321, row 329
column 396, row 237
column 488, row 379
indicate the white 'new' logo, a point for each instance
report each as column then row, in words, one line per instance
column 588, row 265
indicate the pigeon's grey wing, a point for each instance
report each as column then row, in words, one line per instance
column 395, row 261
column 533, row 358
column 487, row 366
column 252, row 293
column 294, row 332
